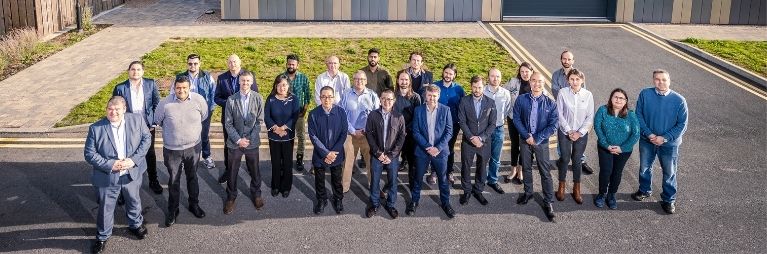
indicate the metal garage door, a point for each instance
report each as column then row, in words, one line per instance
column 555, row 8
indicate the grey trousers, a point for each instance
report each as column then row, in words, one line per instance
column 541, row 153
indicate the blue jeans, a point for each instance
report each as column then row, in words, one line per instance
column 376, row 168
column 204, row 135
column 496, row 143
column 438, row 165
column 668, row 156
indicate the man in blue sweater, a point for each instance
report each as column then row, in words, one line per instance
column 662, row 115
column 535, row 117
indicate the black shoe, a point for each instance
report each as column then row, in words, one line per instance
column 524, row 198
column 392, row 211
column 197, row 211
column 402, row 166
column 156, row 187
column 120, row 200
column 275, row 192
column 496, row 188
column 320, row 206
column 586, row 169
column 516, row 181
column 448, row 211
column 139, row 232
column 170, row 219
column 480, row 198
column 669, row 208
column 450, row 178
column 464, row 198
column 285, row 194
column 639, row 196
column 98, row 246
column 223, row 179
column 361, row 164
column 371, row 211
column 549, row 211
column 338, row 205
column 299, row 162
column 410, row 209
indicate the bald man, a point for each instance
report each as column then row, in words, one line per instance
column 226, row 85
column 334, row 78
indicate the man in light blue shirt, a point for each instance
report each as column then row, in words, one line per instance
column 358, row 101
column 502, row 98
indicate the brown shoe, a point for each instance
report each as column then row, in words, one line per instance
column 229, row 207
column 560, row 194
column 258, row 202
column 577, row 193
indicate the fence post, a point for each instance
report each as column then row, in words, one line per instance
column 78, row 16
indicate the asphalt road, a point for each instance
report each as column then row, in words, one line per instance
column 48, row 205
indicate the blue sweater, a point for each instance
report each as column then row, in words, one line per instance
column 616, row 131
column 450, row 97
column 281, row 112
column 328, row 134
column 546, row 123
column 662, row 115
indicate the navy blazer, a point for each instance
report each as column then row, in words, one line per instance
column 100, row 149
column 224, row 88
column 547, row 118
column 426, row 79
column 151, row 98
column 443, row 130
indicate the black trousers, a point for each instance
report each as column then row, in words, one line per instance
column 408, row 154
column 282, row 164
column 251, row 162
column 151, row 161
column 177, row 161
column 451, row 147
column 468, row 154
column 226, row 149
column 336, row 174
column 514, row 138
column 611, row 169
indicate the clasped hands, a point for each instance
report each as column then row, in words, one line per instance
column 280, row 130
column 574, row 135
column 476, row 141
column 384, row 159
column 657, row 140
column 123, row 164
column 331, row 157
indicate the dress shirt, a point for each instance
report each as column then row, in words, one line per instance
column 386, row 116
column 339, row 83
column 118, row 132
column 502, row 99
column 575, row 110
column 534, row 112
column 358, row 106
column 244, row 101
column 431, row 122
column 137, row 97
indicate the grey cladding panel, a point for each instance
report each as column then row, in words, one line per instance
column 291, row 9
column 668, row 9
column 365, row 9
column 763, row 14
column 282, row 9
column 355, row 9
column 477, row 8
column 657, row 11
column 638, row 10
column 695, row 15
column 449, row 10
column 734, row 11
column 328, row 9
column 705, row 11
column 648, row 9
column 753, row 16
column 411, row 10
column 745, row 6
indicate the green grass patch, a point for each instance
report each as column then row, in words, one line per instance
column 751, row 55
column 266, row 58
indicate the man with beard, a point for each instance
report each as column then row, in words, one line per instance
column 477, row 121
column 299, row 85
column 450, row 95
column 203, row 84
column 378, row 77
column 559, row 81
column 419, row 76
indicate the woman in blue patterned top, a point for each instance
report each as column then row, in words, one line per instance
column 280, row 116
column 617, row 130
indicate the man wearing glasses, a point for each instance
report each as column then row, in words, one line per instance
column 327, row 127
column 358, row 102
column 202, row 83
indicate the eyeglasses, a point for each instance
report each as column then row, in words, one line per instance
column 326, row 97
column 619, row 98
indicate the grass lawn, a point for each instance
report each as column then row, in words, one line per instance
column 266, row 58
column 751, row 55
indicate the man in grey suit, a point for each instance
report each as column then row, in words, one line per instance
column 476, row 115
column 243, row 116
column 116, row 146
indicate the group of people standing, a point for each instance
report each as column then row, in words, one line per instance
column 407, row 122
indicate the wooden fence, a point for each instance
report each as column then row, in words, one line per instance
column 46, row 16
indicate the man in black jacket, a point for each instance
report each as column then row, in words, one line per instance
column 385, row 133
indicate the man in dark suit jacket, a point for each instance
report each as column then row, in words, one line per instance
column 476, row 116
column 419, row 77
column 432, row 128
column 141, row 96
column 535, row 117
column 244, row 114
column 115, row 147
column 228, row 84
column 385, row 133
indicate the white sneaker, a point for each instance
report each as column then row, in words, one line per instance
column 209, row 163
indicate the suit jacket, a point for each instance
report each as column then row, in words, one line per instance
column 443, row 131
column 395, row 138
column 546, row 120
column 426, row 79
column 100, row 149
column 151, row 98
column 249, row 127
column 224, row 87
column 484, row 126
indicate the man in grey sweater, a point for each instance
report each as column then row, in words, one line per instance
column 180, row 115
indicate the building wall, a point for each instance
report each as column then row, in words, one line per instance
column 735, row 12
column 362, row 10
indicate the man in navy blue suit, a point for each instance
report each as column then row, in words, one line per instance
column 432, row 128
column 116, row 146
column 141, row 97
